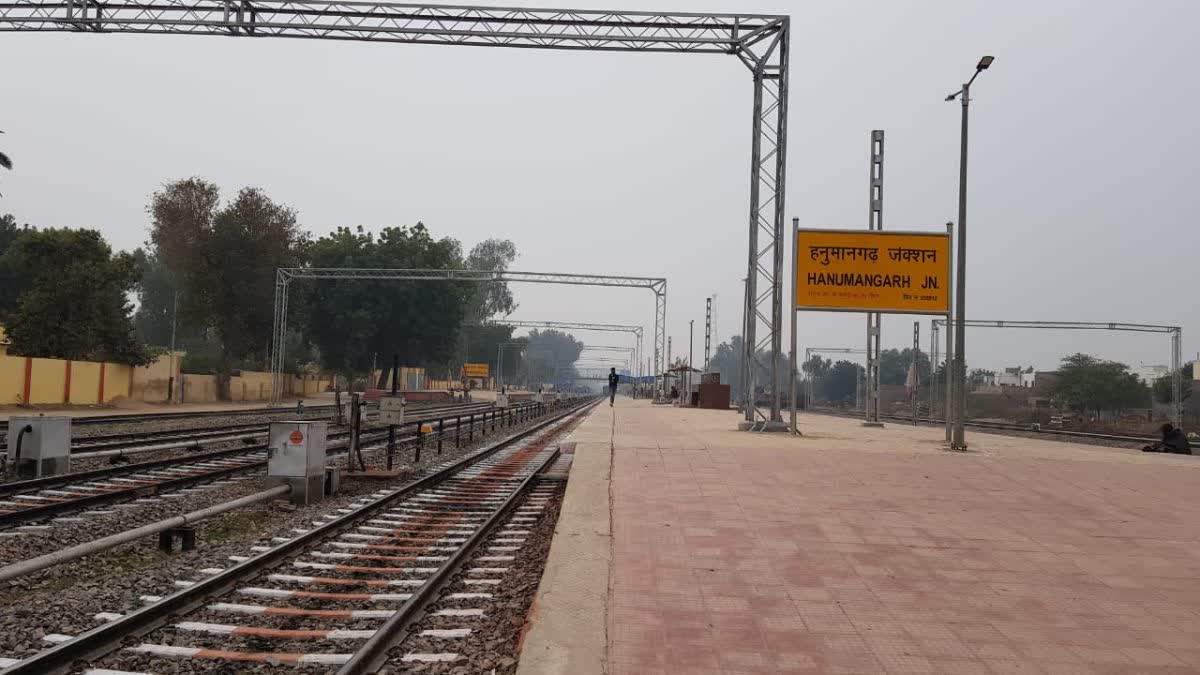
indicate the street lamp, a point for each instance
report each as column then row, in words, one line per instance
column 959, row 441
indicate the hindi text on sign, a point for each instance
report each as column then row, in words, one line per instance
column 872, row 271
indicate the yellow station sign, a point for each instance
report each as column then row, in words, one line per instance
column 873, row 271
column 475, row 370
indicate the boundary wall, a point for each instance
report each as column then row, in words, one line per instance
column 27, row 380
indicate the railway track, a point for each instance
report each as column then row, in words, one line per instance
column 27, row 501
column 1005, row 426
column 137, row 439
column 345, row 594
column 153, row 417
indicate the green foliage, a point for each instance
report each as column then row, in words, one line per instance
column 894, row 364
column 156, row 310
column 550, row 355
column 1087, row 384
column 841, row 384
column 481, row 343
column 816, row 366
column 727, row 360
column 1164, row 386
column 350, row 321
column 65, row 295
column 978, row 376
column 11, row 282
column 489, row 300
column 224, row 260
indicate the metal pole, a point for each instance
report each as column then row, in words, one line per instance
column 752, row 271
column 744, row 362
column 916, row 363
column 171, row 378
column 792, row 352
column 707, row 331
column 391, row 446
column 959, row 441
column 933, row 361
column 691, row 345
column 1177, row 378
column 947, row 371
column 874, row 319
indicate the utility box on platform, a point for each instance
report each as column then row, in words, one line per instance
column 296, row 457
column 39, row 445
column 501, row 400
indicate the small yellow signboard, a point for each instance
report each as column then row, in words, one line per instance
column 873, row 271
column 475, row 370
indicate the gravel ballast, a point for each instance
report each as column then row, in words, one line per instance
column 65, row 599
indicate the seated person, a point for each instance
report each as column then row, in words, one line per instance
column 1173, row 441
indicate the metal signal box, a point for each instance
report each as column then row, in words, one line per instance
column 391, row 410
column 501, row 400
column 44, row 443
column 296, row 457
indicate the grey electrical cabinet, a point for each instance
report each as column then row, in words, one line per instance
column 44, row 443
column 296, row 457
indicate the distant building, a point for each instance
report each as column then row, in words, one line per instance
column 1013, row 377
column 1148, row 374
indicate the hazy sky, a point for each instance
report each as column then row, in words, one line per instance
column 1083, row 157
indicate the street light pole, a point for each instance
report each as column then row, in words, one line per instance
column 959, row 441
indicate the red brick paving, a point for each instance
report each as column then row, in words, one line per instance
column 780, row 556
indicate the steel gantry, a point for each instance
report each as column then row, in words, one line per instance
column 286, row 275
column 1176, row 333
column 808, row 354
column 636, row 331
column 760, row 42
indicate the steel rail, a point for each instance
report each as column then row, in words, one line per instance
column 49, row 509
column 136, row 438
column 106, row 638
column 372, row 655
column 137, row 417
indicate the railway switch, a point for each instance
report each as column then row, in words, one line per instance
column 39, row 445
column 296, row 457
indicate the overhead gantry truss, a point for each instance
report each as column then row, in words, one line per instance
column 284, row 277
column 636, row 331
column 760, row 42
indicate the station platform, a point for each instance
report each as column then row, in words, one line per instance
column 684, row 546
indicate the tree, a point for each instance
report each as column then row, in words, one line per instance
column 551, row 355
column 1164, row 387
column 979, row 377
column 491, row 299
column 352, row 321
column 11, row 282
column 66, row 295
column 894, row 365
column 224, row 260
column 816, row 367
column 157, row 308
column 727, row 360
column 841, row 384
column 1088, row 384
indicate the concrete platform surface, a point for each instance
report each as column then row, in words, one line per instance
column 860, row 550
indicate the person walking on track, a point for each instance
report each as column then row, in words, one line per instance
column 613, row 380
